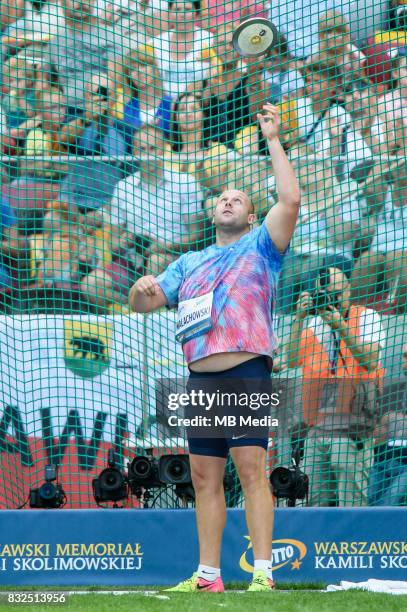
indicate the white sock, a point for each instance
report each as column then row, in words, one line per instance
column 208, row 573
column 264, row 564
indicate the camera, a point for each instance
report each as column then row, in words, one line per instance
column 48, row 495
column 143, row 472
column 320, row 301
column 102, row 92
column 174, row 469
column 111, row 484
column 290, row 483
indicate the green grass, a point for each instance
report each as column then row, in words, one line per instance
column 234, row 586
column 292, row 601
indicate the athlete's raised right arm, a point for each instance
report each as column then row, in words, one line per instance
column 146, row 295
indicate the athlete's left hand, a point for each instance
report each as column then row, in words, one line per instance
column 270, row 122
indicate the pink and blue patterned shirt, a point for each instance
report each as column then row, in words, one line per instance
column 243, row 277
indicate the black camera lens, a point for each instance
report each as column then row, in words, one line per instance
column 141, row 467
column 321, row 299
column 143, row 472
column 284, row 478
column 47, row 490
column 289, row 483
column 111, row 484
column 111, row 479
column 102, row 92
column 281, row 479
column 176, row 470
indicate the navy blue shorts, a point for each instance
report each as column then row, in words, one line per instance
column 259, row 367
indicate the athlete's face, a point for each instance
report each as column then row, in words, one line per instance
column 233, row 212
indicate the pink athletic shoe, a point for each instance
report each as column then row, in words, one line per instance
column 213, row 587
column 195, row 584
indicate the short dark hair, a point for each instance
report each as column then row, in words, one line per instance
column 175, row 132
column 196, row 3
column 324, row 274
column 324, row 277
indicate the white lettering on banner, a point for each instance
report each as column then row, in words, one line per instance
column 344, row 562
column 399, row 562
column 282, row 554
column 194, row 317
column 78, row 564
column 39, row 385
column 363, row 554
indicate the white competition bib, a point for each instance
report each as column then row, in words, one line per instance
column 194, row 317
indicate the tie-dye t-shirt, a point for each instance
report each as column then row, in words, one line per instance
column 243, row 277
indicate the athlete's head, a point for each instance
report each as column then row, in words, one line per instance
column 234, row 212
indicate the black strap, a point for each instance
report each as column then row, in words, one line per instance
column 344, row 139
column 337, row 353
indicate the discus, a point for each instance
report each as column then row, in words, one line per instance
column 254, row 37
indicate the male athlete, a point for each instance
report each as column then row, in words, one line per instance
column 234, row 281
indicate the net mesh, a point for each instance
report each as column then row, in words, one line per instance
column 121, row 124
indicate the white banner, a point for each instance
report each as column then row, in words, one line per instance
column 53, row 365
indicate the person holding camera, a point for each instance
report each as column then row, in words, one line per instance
column 338, row 345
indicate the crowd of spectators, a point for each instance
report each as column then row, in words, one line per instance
column 121, row 121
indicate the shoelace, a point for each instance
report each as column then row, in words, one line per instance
column 262, row 581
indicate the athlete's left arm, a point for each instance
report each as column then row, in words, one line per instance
column 281, row 218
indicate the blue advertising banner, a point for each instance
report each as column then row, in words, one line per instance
column 156, row 547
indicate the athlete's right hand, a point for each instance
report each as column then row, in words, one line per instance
column 304, row 304
column 148, row 286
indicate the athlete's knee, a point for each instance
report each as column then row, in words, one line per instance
column 204, row 479
column 252, row 476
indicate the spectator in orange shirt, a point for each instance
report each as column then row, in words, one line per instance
column 339, row 346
